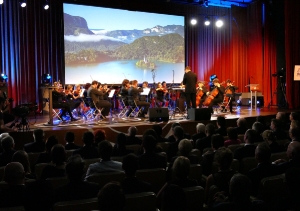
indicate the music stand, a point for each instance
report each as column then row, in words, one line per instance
column 253, row 88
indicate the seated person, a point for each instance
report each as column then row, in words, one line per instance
column 270, row 139
column 8, row 145
column 134, row 93
column 221, row 125
column 88, row 151
column 278, row 130
column 241, row 125
column 201, row 93
column 111, row 197
column 70, row 138
column 218, row 92
column 45, row 157
column 232, row 137
column 38, row 145
column 248, row 150
column 120, row 147
column 131, row 138
column 259, row 128
column 22, row 157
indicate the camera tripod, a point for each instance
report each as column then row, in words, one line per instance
column 280, row 88
column 22, row 125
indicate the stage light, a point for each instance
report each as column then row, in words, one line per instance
column 23, row 3
column 206, row 21
column 1, row 1
column 46, row 5
column 219, row 23
column 193, row 21
column 3, row 77
column 46, row 79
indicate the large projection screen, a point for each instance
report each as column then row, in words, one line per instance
column 109, row 45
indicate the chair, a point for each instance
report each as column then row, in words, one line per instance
column 145, row 201
column 247, row 164
column 135, row 109
column 88, row 162
column 95, row 113
column 196, row 172
column 32, row 159
column 123, row 106
column 195, row 198
column 280, row 155
column 156, row 177
column 56, row 113
column 77, row 205
column 38, row 169
column 104, row 178
column 4, row 185
column 57, row 181
column 283, row 142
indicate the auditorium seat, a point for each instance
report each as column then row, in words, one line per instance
column 4, row 185
column 32, row 159
column 140, row 201
column 283, row 142
column 77, row 205
column 164, row 146
column 58, row 181
column 195, row 198
column 38, row 169
column 234, row 166
column 136, row 148
column 21, row 208
column 247, row 164
column 69, row 153
column 280, row 155
column 156, row 177
column 117, row 158
column 104, row 178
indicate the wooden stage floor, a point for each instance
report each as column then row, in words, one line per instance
column 122, row 125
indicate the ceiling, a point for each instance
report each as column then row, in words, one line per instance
column 218, row 3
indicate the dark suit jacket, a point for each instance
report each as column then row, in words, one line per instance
column 152, row 161
column 95, row 94
column 222, row 131
column 87, row 152
column 132, row 185
column 34, row 147
column 203, row 143
column 287, row 165
column 245, row 151
column 207, row 162
column 198, row 136
column 132, row 140
column 6, row 157
column 190, row 80
column 71, row 146
column 241, row 130
column 134, row 92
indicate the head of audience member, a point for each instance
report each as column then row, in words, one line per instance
column 105, row 150
column 7, row 143
column 130, row 165
column 240, row 189
column 258, row 127
column 111, row 197
column 181, row 167
column 293, row 150
column 281, row 116
column 250, row 136
column 14, row 174
column 150, row 132
column 275, row 125
column 149, row 144
column 217, row 141
column 224, row 157
column 173, row 199
column 294, row 116
column 58, row 154
column 200, row 128
column 232, row 133
column 94, row 84
column 99, row 136
column 175, row 124
column 261, row 119
column 3, row 135
column 22, row 157
column 50, row 142
column 75, row 168
column 209, row 129
column 69, row 137
column 132, row 131
column 178, row 133
column 158, row 129
column 38, row 135
column 121, row 139
column 295, row 124
column 294, row 134
column 221, row 122
column 185, row 147
column 269, row 136
column 241, row 122
column 88, row 138
column 263, row 153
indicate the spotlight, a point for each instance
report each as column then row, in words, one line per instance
column 3, row 77
column 46, row 79
column 46, row 5
column 219, row 23
column 193, row 21
column 206, row 21
column 23, row 3
column 1, row 1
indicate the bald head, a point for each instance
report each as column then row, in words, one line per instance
column 14, row 173
column 293, row 150
column 132, row 131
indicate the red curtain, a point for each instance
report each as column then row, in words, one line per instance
column 292, row 52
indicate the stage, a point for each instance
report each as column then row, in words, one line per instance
column 117, row 125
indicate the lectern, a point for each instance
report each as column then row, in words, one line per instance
column 253, row 88
column 50, row 89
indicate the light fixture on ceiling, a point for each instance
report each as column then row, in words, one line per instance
column 23, row 3
column 207, row 21
column 46, row 5
column 193, row 21
column 219, row 23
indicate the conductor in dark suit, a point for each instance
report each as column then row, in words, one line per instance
column 190, row 80
column 98, row 97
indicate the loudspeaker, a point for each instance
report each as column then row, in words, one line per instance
column 199, row 114
column 158, row 114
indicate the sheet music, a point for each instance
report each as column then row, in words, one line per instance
column 146, row 91
column 111, row 94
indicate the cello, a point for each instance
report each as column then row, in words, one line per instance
column 228, row 93
column 212, row 95
column 199, row 93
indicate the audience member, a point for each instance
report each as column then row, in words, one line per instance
column 171, row 138
column 14, row 176
column 205, row 142
column 232, row 137
column 8, row 145
column 178, row 133
column 105, row 164
column 259, row 128
column 150, row 159
column 185, row 148
column 248, row 150
column 281, row 117
column 221, row 125
column 131, row 184
column 200, row 132
column 294, row 134
column 294, row 116
column 158, row 129
column 58, row 157
column 131, row 138
column 241, row 126
column 277, row 129
column 76, row 188
column 173, row 199
column 22, row 157
column 99, row 135
column 262, row 120
column 111, row 197
column 119, row 148
column 270, row 139
column 45, row 157
column 2, row 136
column 217, row 141
column 264, row 168
column 88, row 151
column 38, row 145
column 70, row 138
column 295, row 124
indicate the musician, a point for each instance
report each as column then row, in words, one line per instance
column 220, row 96
column 145, row 97
column 190, row 80
column 160, row 95
column 134, row 92
column 97, row 97
column 124, row 89
column 201, row 89
column 230, row 92
column 3, row 128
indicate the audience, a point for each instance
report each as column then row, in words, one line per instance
column 221, row 125
column 200, row 129
column 131, row 184
column 22, row 157
column 262, row 120
column 7, row 144
column 88, row 151
column 70, row 138
column 281, row 117
column 171, row 138
column 294, row 134
column 38, row 145
column 232, row 137
column 105, row 164
column 205, row 142
column 241, row 126
column 45, row 157
column 270, row 139
column 111, row 197
column 178, row 133
column 294, row 124
column 120, row 147
column 99, row 135
column 259, row 128
column 277, row 129
column 158, row 129
column 294, row 116
column 173, row 199
column 248, row 150
column 131, row 137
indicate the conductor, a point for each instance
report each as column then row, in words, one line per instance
column 190, row 80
